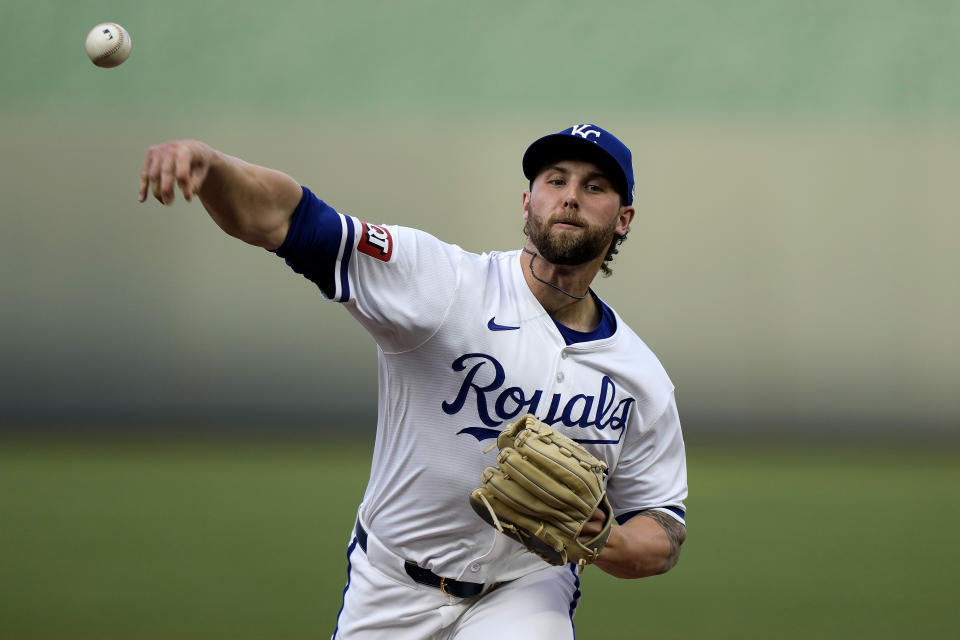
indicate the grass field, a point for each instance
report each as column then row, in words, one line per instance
column 158, row 539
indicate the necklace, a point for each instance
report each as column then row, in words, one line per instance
column 550, row 284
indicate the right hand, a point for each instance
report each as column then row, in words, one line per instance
column 185, row 161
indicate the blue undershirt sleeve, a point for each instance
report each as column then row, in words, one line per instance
column 623, row 517
column 312, row 244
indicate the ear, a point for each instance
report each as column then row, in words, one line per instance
column 525, row 204
column 624, row 218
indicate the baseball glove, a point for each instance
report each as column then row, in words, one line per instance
column 544, row 488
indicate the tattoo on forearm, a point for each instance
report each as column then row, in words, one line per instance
column 676, row 534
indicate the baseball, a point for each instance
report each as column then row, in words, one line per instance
column 108, row 44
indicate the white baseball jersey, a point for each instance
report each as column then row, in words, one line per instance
column 464, row 348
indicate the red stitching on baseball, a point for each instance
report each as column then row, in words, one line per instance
column 116, row 47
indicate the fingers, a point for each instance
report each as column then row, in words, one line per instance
column 144, row 178
column 169, row 165
column 594, row 525
column 183, row 166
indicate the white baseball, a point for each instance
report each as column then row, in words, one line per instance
column 108, row 44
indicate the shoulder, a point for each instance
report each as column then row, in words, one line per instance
column 628, row 344
column 631, row 341
column 499, row 263
column 632, row 354
column 389, row 243
column 494, row 259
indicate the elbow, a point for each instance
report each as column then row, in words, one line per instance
column 669, row 563
column 672, row 557
column 645, row 568
column 266, row 237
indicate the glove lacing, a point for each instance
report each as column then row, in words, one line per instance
column 493, row 514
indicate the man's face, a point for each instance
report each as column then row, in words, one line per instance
column 572, row 212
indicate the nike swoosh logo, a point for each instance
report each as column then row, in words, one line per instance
column 493, row 326
column 480, row 433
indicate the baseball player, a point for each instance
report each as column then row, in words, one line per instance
column 467, row 344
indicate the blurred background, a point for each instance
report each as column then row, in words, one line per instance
column 170, row 398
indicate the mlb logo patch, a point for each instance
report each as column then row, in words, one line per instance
column 376, row 242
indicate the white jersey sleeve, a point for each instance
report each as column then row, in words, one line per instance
column 651, row 472
column 401, row 299
column 397, row 281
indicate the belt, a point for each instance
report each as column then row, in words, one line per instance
column 429, row 578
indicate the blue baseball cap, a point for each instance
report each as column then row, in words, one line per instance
column 589, row 142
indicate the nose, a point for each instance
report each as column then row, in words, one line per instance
column 570, row 199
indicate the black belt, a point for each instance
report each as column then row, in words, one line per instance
column 429, row 578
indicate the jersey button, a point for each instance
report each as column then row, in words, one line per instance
column 474, row 567
column 563, row 354
column 560, row 377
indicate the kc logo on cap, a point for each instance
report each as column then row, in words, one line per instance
column 605, row 149
column 582, row 131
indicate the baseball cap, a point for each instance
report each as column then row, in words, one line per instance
column 592, row 143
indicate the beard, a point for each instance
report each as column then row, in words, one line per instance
column 569, row 248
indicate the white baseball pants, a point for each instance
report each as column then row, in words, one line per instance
column 381, row 601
